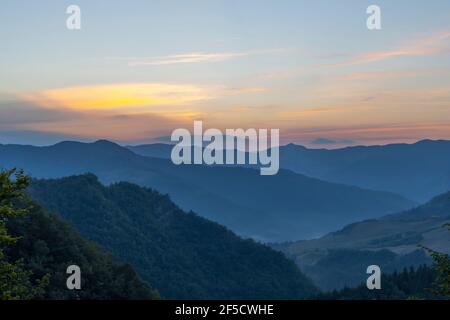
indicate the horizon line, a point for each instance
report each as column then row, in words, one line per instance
column 127, row 145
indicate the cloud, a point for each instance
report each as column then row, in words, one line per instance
column 193, row 57
column 181, row 101
column 421, row 46
column 22, row 121
column 238, row 90
column 15, row 112
column 129, row 96
column 252, row 108
column 313, row 112
column 123, row 111
column 185, row 58
column 374, row 75
column 101, row 125
column 279, row 74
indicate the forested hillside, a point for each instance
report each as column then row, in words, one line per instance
column 183, row 255
column 339, row 258
column 42, row 248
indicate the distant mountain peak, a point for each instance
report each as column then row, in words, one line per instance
column 67, row 143
column 101, row 142
column 294, row 146
column 105, row 143
column 429, row 142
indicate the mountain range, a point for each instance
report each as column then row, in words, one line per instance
column 418, row 171
column 286, row 206
column 186, row 256
column 339, row 259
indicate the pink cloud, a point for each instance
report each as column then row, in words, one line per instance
column 423, row 46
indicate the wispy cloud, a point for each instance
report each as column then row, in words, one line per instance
column 14, row 113
column 313, row 112
column 278, row 75
column 238, row 90
column 252, row 108
column 193, row 57
column 28, row 123
column 186, row 58
column 421, row 46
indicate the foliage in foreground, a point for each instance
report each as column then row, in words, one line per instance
column 15, row 280
column 37, row 247
column 409, row 284
column 442, row 267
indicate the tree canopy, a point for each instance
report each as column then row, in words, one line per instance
column 36, row 248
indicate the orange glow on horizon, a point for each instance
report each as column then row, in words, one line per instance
column 127, row 96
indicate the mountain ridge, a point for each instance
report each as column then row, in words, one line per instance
column 286, row 206
column 392, row 241
column 416, row 171
column 182, row 254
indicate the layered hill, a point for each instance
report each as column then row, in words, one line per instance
column 417, row 171
column 47, row 245
column 286, row 206
column 183, row 255
column 340, row 258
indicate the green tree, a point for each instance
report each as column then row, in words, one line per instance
column 14, row 279
column 442, row 267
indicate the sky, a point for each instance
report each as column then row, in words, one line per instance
column 137, row 70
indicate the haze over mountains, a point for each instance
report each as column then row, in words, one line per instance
column 417, row 171
column 339, row 259
column 163, row 243
column 287, row 206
